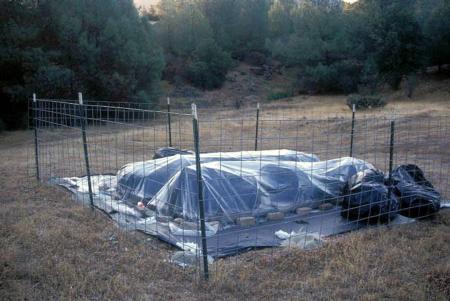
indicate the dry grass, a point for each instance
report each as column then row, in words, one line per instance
column 51, row 248
column 402, row 263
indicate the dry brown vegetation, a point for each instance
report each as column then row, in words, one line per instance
column 52, row 248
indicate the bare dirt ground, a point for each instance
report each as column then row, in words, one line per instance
column 51, row 248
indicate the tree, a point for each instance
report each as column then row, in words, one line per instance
column 103, row 48
column 389, row 39
column 437, row 34
column 239, row 26
column 252, row 26
column 280, row 18
column 182, row 26
column 223, row 17
column 209, row 66
column 399, row 42
column 321, row 48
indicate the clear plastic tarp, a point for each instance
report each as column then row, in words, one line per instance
column 241, row 190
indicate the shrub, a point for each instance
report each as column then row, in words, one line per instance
column 209, row 67
column 348, row 74
column 278, row 95
column 338, row 77
column 255, row 58
column 365, row 101
column 321, row 78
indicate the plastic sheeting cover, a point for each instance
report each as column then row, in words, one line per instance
column 255, row 187
column 247, row 182
column 140, row 181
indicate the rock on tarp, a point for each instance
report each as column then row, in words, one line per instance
column 234, row 188
column 140, row 181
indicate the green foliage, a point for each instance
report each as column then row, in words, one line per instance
column 437, row 33
column 342, row 76
column 209, row 66
column 181, row 27
column 187, row 36
column 321, row 78
column 365, row 101
column 237, row 26
column 371, row 42
column 252, row 25
column 398, row 43
column 320, row 45
column 275, row 95
column 223, row 17
column 280, row 18
column 106, row 49
column 54, row 81
column 103, row 48
column 369, row 77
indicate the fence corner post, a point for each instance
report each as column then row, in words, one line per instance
column 36, row 140
column 201, row 202
column 352, row 133
column 169, row 122
column 82, row 117
column 257, row 126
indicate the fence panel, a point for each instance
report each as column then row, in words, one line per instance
column 294, row 190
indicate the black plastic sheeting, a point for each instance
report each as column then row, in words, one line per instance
column 416, row 194
column 165, row 152
column 150, row 196
column 368, row 198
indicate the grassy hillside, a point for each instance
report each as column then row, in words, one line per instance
column 432, row 93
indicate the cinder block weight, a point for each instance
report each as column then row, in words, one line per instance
column 325, row 206
column 163, row 219
column 246, row 221
column 303, row 211
column 275, row 216
column 184, row 224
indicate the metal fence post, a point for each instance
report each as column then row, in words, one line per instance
column 168, row 121
column 36, row 140
column 391, row 158
column 353, row 130
column 201, row 202
column 257, row 127
column 82, row 116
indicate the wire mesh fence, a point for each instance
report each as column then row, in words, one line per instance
column 233, row 183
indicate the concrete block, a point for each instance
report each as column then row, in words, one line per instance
column 326, row 206
column 163, row 219
column 184, row 224
column 303, row 211
column 246, row 221
column 178, row 220
column 275, row 216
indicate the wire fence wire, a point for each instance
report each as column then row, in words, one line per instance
column 88, row 146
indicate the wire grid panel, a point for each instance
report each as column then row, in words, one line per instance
column 118, row 139
column 127, row 136
column 420, row 140
column 115, row 136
